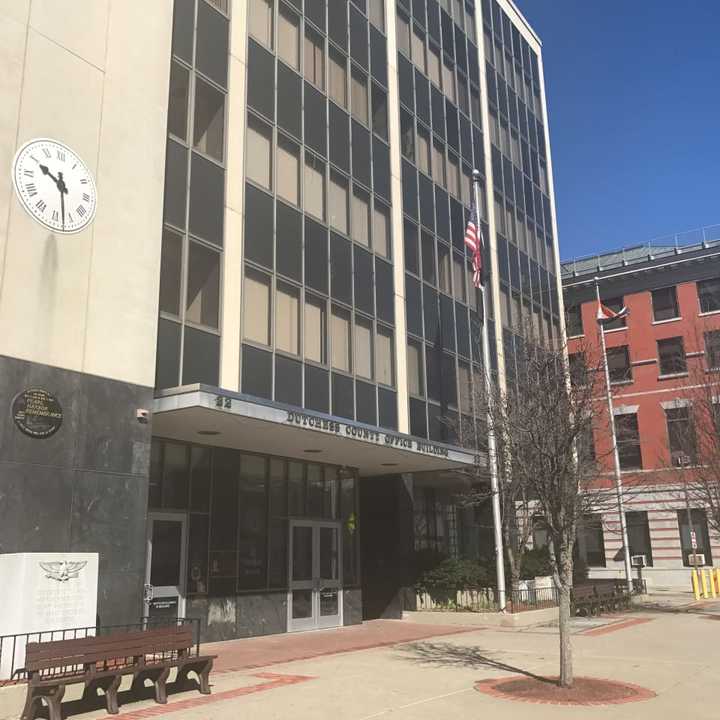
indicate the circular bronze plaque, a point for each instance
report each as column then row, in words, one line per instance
column 37, row 413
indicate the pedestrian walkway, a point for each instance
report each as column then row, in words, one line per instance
column 257, row 652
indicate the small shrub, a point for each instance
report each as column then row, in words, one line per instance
column 536, row 563
column 451, row 576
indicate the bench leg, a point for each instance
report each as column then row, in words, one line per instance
column 28, row 712
column 204, row 676
column 160, row 686
column 111, row 695
column 54, row 701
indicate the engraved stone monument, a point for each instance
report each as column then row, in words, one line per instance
column 44, row 592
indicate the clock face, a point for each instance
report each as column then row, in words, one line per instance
column 54, row 185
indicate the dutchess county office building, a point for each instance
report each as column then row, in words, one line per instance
column 235, row 304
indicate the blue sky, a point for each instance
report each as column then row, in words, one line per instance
column 634, row 101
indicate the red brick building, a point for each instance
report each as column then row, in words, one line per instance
column 657, row 356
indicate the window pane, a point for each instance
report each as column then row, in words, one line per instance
column 314, row 186
column 259, row 158
column 709, row 295
column 416, row 386
column 381, row 229
column 459, row 278
column 423, row 150
column 178, row 104
column 618, row 362
column 256, row 307
column 338, row 202
column 203, row 291
column 628, row 441
column 359, row 96
column 361, row 217
column 438, row 163
column 170, row 272
column 384, row 357
column 712, row 349
column 209, row 131
column 288, row 170
column 671, row 356
column 338, row 77
column 664, row 303
column 379, row 109
column 377, row 13
column 363, row 348
column 287, row 318
column 315, row 329
column 314, row 58
column 260, row 14
column 444, row 268
column 289, row 37
column 418, row 49
column 340, row 339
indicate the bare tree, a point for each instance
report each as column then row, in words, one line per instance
column 544, row 422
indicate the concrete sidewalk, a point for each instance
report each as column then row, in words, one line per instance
column 674, row 654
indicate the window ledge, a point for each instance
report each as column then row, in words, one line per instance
column 665, row 322
column 614, row 330
column 575, row 337
column 671, row 376
column 709, row 312
column 613, row 383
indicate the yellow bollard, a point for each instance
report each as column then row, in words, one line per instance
column 704, row 584
column 695, row 586
column 711, row 575
column 717, row 580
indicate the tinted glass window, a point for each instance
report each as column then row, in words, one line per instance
column 212, row 44
column 201, row 357
column 413, row 305
column 288, row 381
column 366, row 411
column 316, row 389
column 342, row 396
column 339, row 138
column 289, row 100
column 257, row 372
column 361, row 153
column 316, row 256
column 378, row 56
column 289, row 241
column 261, row 84
column 340, row 269
column 358, row 37
column 175, row 184
column 183, row 28
column 167, row 362
column 315, row 120
column 363, row 276
column 384, row 291
column 387, row 405
column 259, row 226
column 207, row 200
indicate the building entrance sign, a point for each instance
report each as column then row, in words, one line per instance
column 37, row 413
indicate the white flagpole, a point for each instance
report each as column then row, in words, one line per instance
column 492, row 449
column 616, row 455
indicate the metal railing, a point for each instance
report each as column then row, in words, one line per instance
column 533, row 599
column 12, row 647
column 666, row 246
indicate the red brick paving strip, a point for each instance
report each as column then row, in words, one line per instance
column 248, row 653
column 274, row 681
column 614, row 627
column 585, row 691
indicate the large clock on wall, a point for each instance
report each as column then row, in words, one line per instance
column 54, row 185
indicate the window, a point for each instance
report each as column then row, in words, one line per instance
column 338, row 77
column 438, row 163
column 665, row 304
column 256, row 307
column 287, row 318
column 681, row 435
column 203, row 285
column 178, row 104
column 363, row 348
column 403, row 34
column 614, row 304
column 260, row 15
column 340, row 340
column 209, row 130
column 289, row 37
column 709, row 295
column 314, row 186
column 170, row 272
column 671, row 356
column 407, row 135
column 381, row 229
column 628, row 441
column 578, row 369
column 384, row 364
column 359, row 96
column 416, row 385
column 618, row 361
column 459, row 278
column 638, row 531
column 702, row 538
column 379, row 111
column 712, row 349
column 453, row 179
column 315, row 58
column 418, row 49
column 586, row 445
column 338, row 202
column 377, row 13
column 315, row 329
column 434, row 64
column 258, row 165
column 465, row 389
column 360, row 227
column 444, row 268
column 449, row 82
column 574, row 320
column 288, row 170
column 591, row 541
column 423, row 150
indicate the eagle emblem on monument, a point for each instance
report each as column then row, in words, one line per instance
column 62, row 570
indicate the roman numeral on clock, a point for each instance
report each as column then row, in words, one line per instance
column 61, row 155
column 83, row 181
column 86, row 197
column 41, row 205
column 28, row 173
column 55, row 216
column 46, row 153
column 31, row 189
column 80, row 210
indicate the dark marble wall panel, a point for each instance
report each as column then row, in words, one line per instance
column 261, row 614
column 352, row 606
column 84, row 489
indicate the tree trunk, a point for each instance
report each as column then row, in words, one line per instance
column 566, row 657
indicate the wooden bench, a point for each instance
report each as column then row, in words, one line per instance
column 607, row 598
column 101, row 662
column 584, row 599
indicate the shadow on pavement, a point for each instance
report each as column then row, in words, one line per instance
column 449, row 655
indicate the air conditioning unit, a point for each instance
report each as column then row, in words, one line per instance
column 696, row 559
column 638, row 561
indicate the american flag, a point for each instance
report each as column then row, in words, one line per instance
column 473, row 242
column 605, row 314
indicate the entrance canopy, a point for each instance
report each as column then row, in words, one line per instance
column 204, row 414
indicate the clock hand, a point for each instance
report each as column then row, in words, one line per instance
column 45, row 171
column 63, row 191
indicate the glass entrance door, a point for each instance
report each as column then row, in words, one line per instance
column 315, row 597
column 166, row 566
